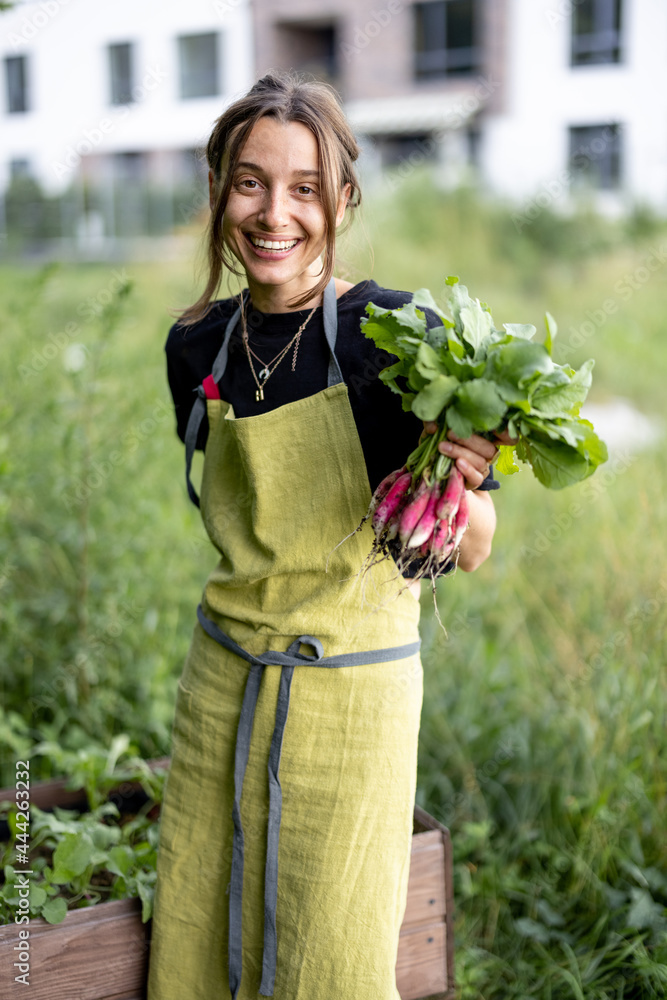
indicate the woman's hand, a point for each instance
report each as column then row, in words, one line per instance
column 473, row 455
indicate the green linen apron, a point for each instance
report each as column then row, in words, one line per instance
column 314, row 913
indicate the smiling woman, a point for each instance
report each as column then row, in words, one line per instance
column 299, row 885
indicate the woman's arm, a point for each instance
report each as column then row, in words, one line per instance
column 476, row 541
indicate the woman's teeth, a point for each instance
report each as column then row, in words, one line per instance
column 273, row 245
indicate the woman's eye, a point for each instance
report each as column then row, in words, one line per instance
column 304, row 189
column 248, row 182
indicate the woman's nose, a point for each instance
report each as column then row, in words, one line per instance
column 274, row 211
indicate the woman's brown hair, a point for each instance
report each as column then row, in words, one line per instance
column 288, row 98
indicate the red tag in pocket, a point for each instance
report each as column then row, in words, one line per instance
column 210, row 388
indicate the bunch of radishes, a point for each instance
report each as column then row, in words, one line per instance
column 418, row 517
column 469, row 377
column 423, row 521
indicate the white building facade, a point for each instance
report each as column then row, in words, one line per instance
column 585, row 97
column 120, row 93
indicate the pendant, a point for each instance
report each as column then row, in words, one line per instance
column 264, row 374
column 259, row 394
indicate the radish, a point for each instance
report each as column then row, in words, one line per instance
column 460, row 522
column 413, row 511
column 440, row 536
column 384, row 488
column 451, row 495
column 444, row 554
column 388, row 507
column 426, row 524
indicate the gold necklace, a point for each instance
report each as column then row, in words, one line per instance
column 266, row 371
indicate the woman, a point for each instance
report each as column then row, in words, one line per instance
column 293, row 886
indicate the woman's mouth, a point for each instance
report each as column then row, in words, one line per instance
column 271, row 249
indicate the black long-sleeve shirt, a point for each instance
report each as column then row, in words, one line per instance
column 387, row 432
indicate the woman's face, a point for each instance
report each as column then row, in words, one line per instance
column 273, row 221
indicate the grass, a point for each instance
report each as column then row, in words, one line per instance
column 543, row 743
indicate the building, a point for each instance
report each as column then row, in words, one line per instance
column 538, row 98
column 106, row 100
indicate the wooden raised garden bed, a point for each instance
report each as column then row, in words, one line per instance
column 101, row 952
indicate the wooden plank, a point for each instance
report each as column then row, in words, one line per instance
column 421, row 967
column 426, row 884
column 449, row 904
column 422, row 821
column 97, row 953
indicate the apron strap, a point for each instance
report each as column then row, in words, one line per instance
column 330, row 319
column 207, row 390
column 242, row 753
column 287, row 661
column 270, row 954
column 191, row 434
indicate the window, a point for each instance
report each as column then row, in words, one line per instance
column 596, row 32
column 312, row 48
column 446, row 38
column 129, row 167
column 198, row 57
column 415, row 148
column 595, row 156
column 19, row 168
column 120, row 68
column 16, row 75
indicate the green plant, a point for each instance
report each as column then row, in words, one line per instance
column 76, row 615
column 97, row 771
column 79, row 859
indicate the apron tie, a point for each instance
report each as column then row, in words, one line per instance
column 287, row 661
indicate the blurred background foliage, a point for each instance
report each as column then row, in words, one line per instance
column 543, row 744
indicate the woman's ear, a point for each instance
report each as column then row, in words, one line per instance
column 342, row 203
